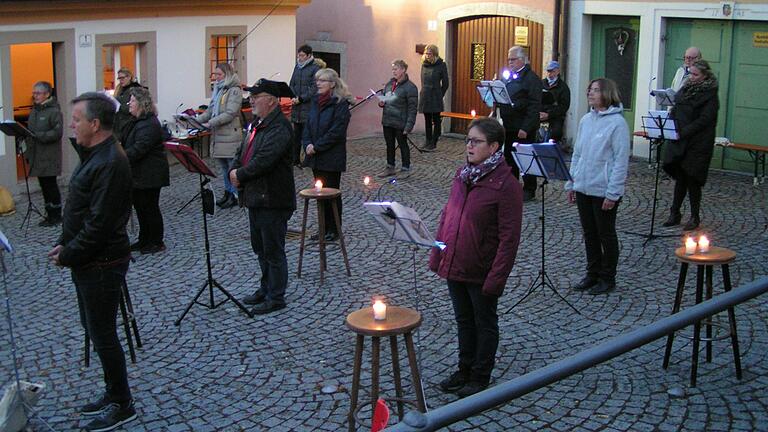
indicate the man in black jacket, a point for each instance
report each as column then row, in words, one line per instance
column 94, row 245
column 556, row 100
column 263, row 175
column 521, row 119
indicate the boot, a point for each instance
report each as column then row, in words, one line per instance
column 692, row 223
column 673, row 219
column 230, row 202
column 53, row 215
column 224, row 198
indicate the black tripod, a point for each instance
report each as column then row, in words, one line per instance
column 30, row 205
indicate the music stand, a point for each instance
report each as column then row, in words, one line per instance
column 659, row 128
column 192, row 162
column 20, row 134
column 546, row 161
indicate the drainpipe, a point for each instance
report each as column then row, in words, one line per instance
column 556, row 31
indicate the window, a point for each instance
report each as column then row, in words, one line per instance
column 225, row 45
column 115, row 57
column 222, row 50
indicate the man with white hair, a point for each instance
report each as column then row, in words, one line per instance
column 681, row 76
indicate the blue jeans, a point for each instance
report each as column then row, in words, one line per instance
column 224, row 165
column 98, row 297
column 268, row 228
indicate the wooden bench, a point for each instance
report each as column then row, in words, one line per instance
column 460, row 116
column 757, row 153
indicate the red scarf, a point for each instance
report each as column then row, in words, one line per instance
column 323, row 99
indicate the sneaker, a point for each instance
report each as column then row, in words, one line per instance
column 96, row 407
column 692, row 224
column 454, row 382
column 389, row 171
column 405, row 172
column 152, row 248
column 585, row 284
column 471, row 388
column 528, row 196
column 229, row 203
column 255, row 298
column 672, row 220
column 602, row 288
column 267, row 307
column 113, row 416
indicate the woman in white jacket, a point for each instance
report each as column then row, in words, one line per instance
column 599, row 170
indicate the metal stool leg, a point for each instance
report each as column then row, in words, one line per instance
column 355, row 382
column 709, row 320
column 396, row 372
column 697, row 325
column 303, row 236
column 675, row 309
column 131, row 314
column 732, row 323
column 415, row 375
column 336, row 217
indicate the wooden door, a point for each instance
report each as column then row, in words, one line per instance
column 480, row 52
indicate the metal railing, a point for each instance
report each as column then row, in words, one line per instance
column 461, row 409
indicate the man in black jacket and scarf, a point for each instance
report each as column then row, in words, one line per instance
column 556, row 99
column 521, row 119
column 263, row 174
column 94, row 245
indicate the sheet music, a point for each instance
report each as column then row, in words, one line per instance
column 526, row 162
column 401, row 223
column 497, row 90
column 652, row 129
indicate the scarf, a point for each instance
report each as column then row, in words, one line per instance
column 692, row 89
column 551, row 82
column 471, row 174
column 218, row 92
column 305, row 62
column 323, row 99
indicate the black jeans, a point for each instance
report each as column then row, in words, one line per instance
column 600, row 239
column 268, row 227
column 147, row 205
column 50, row 189
column 685, row 184
column 390, row 135
column 478, row 328
column 331, row 179
column 432, row 127
column 298, row 131
column 510, row 137
column 98, row 296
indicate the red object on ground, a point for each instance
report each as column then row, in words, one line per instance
column 380, row 416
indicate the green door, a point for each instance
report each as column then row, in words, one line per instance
column 614, row 56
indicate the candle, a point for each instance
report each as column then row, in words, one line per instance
column 379, row 310
column 473, row 113
column 318, row 185
column 690, row 246
column 703, row 244
column 366, row 180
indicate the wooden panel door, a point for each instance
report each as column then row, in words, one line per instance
column 480, row 52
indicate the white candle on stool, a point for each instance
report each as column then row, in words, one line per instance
column 703, row 244
column 473, row 113
column 318, row 185
column 690, row 246
column 379, row 310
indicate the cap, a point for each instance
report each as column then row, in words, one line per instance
column 554, row 64
column 275, row 88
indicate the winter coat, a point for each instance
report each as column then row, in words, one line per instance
column 525, row 94
column 98, row 207
column 266, row 178
column 326, row 130
column 304, row 87
column 695, row 113
column 226, row 126
column 143, row 144
column 557, row 101
column 480, row 226
column 600, row 160
column 400, row 112
column 434, row 84
column 44, row 150
column 123, row 115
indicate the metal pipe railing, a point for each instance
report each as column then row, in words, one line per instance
column 461, row 409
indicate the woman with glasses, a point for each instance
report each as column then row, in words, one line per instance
column 480, row 227
column 143, row 143
column 125, row 83
column 434, row 84
column 223, row 118
column 325, row 137
column 44, row 150
column 599, row 169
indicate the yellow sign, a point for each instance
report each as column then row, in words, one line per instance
column 760, row 39
column 521, row 35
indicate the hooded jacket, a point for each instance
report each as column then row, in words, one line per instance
column 600, row 160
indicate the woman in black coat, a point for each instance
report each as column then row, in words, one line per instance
column 325, row 137
column 434, row 84
column 687, row 160
column 143, row 143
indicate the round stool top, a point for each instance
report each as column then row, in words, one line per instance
column 715, row 256
column 323, row 193
column 399, row 320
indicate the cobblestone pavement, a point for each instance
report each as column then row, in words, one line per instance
column 223, row 371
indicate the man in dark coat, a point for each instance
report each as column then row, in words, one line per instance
column 263, row 175
column 44, row 150
column 94, row 245
column 521, row 119
column 556, row 100
column 303, row 87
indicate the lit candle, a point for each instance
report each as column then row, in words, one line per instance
column 690, row 246
column 473, row 113
column 366, row 180
column 318, row 185
column 703, row 244
column 379, row 310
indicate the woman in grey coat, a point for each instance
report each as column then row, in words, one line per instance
column 44, row 150
column 434, row 84
column 401, row 99
column 223, row 118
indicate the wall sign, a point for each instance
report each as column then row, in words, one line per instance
column 521, row 35
column 760, row 39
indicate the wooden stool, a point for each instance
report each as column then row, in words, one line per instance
column 704, row 263
column 129, row 321
column 399, row 321
column 321, row 196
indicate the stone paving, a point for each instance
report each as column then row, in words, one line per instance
column 222, row 371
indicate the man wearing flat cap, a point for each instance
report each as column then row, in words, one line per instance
column 555, row 101
column 262, row 171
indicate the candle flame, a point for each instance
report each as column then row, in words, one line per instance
column 319, row 184
column 366, row 180
column 473, row 113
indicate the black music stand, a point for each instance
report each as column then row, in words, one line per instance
column 20, row 133
column 194, row 164
column 546, row 161
column 659, row 128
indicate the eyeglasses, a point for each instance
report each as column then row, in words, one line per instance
column 691, row 57
column 473, row 142
column 511, row 59
column 122, row 77
column 593, row 90
column 322, row 80
column 38, row 93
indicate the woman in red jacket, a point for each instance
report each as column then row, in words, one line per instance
column 480, row 226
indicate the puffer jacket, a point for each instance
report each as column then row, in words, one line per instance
column 143, row 143
column 303, row 85
column 600, row 160
column 480, row 226
column 434, row 84
column 400, row 112
column 44, row 150
column 326, row 130
column 98, row 207
column 226, row 126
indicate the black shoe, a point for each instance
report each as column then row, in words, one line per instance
column 49, row 222
column 430, row 146
column 471, row 388
column 113, row 416
column 137, row 246
column 672, row 220
column 692, row 224
column 454, row 382
column 331, row 236
column 267, row 307
column 585, row 284
column 152, row 248
column 223, row 199
column 229, row 203
column 528, row 196
column 93, row 408
column 602, row 288
column 255, row 298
